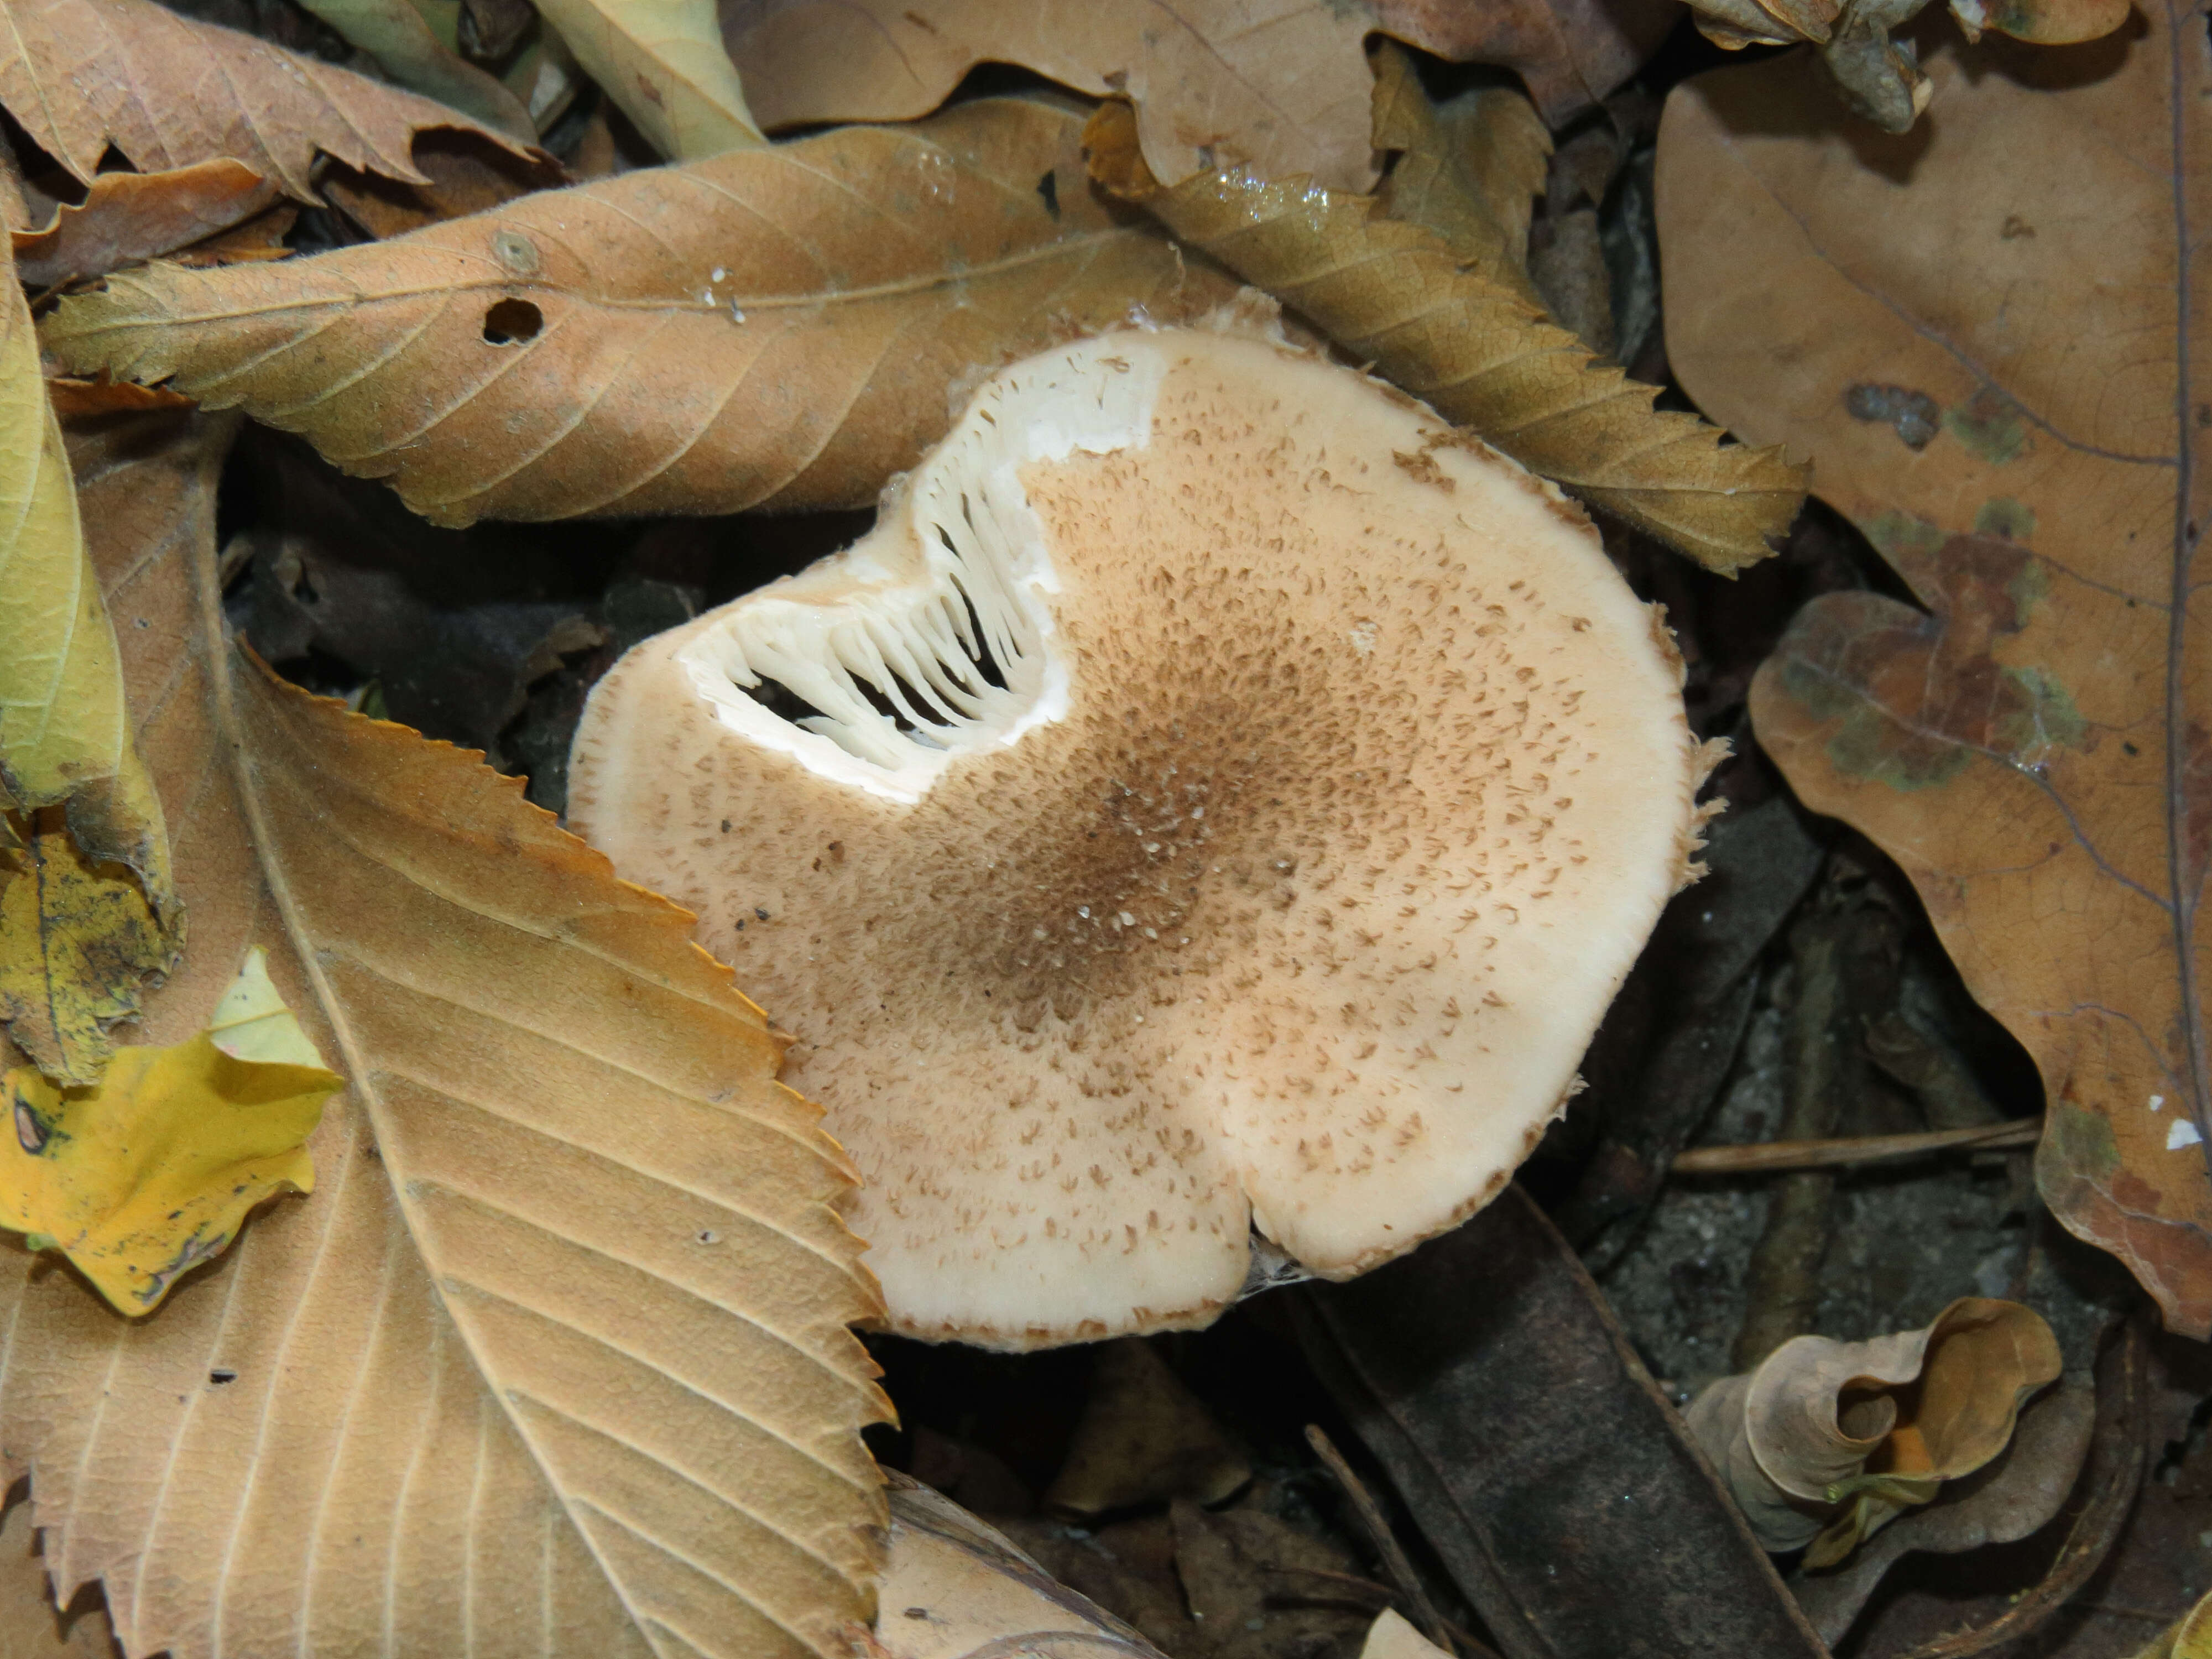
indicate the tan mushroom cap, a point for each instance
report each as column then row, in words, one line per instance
column 1213, row 796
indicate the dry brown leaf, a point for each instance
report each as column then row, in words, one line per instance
column 1570, row 53
column 167, row 92
column 2008, row 412
column 1277, row 86
column 1826, row 1441
column 257, row 238
column 765, row 327
column 555, row 1358
column 956, row 1589
column 1470, row 170
column 135, row 216
column 463, row 177
column 2010, row 1497
column 31, row 1627
column 1473, row 349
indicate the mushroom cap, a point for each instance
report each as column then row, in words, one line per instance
column 1215, row 795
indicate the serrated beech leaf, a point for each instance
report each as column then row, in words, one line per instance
column 771, row 326
column 555, row 1358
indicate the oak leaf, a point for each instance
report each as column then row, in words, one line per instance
column 2008, row 412
column 89, row 910
column 557, row 1353
column 145, row 1175
column 1824, row 1443
column 772, row 327
column 1279, row 86
column 165, row 91
column 1473, row 346
column 664, row 63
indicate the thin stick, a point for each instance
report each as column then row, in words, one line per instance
column 1379, row 1535
column 1774, row 1156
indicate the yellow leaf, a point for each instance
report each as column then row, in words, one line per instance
column 75, row 938
column 663, row 61
column 65, row 741
column 1472, row 346
column 151, row 1171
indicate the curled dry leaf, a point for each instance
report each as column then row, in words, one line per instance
column 664, row 63
column 168, row 92
column 88, row 905
column 956, row 1589
column 2032, row 746
column 1570, row 53
column 558, row 1349
column 135, row 216
column 1826, row 1441
column 1473, row 346
column 774, row 326
column 150, row 1172
column 1277, row 86
column 2011, row 1497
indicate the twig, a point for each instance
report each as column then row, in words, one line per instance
column 1772, row 1155
column 1379, row 1535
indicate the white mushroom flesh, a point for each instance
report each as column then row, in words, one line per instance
column 1213, row 796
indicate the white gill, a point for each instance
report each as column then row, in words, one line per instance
column 896, row 642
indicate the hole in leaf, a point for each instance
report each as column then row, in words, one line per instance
column 510, row 322
column 221, row 1374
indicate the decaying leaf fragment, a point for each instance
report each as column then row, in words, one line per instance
column 1279, row 86
column 1474, row 346
column 1391, row 1637
column 2030, row 747
column 1826, row 1441
column 88, row 907
column 149, row 1172
column 168, row 92
column 954, row 1588
column 558, row 1348
column 618, row 347
column 1878, row 74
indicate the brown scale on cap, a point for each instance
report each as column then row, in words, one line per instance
column 1179, row 815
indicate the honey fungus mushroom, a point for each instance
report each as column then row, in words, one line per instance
column 1212, row 796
